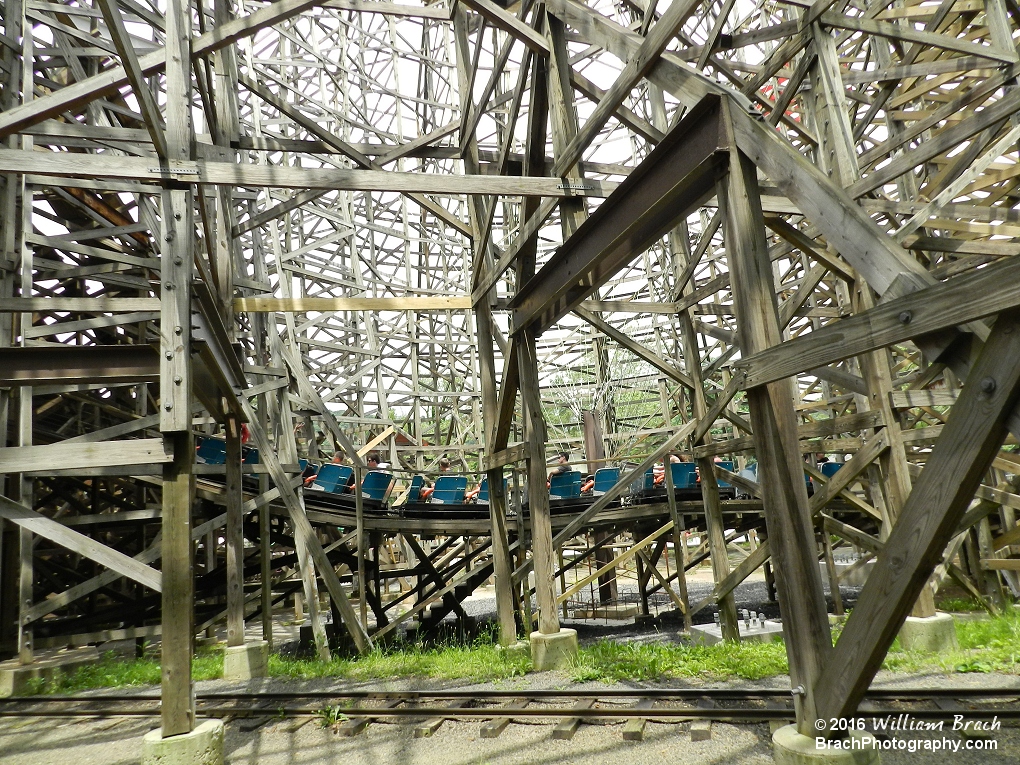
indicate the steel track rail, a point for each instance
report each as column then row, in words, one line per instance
column 312, row 703
column 905, row 694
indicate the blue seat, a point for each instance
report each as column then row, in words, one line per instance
column 414, row 490
column 565, row 485
column 649, row 480
column 605, row 479
column 684, row 476
column 212, row 451
column 483, row 490
column 829, row 468
column 449, row 490
column 333, row 478
column 377, row 485
column 302, row 464
column 728, row 465
column 251, row 456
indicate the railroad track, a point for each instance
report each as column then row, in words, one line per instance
column 352, row 711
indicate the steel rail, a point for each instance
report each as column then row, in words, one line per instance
column 251, row 704
column 635, row 693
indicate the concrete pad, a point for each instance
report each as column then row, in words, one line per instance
column 758, row 632
column 17, row 679
column 791, row 748
column 203, row 746
column 553, row 651
column 930, row 634
column 245, row 662
column 620, row 612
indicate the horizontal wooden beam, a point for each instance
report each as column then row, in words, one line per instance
column 96, row 364
column 908, row 399
column 325, row 305
column 963, row 299
column 65, row 165
column 508, row 456
column 79, row 543
column 76, row 304
column 1011, row 537
column 141, row 451
column 1000, row 564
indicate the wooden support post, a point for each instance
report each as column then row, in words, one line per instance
column 642, row 581
column 502, row 564
column 265, row 550
column 177, row 707
column 22, row 256
column 26, row 576
column 538, row 494
column 12, row 190
column 176, row 265
column 989, row 578
column 716, row 530
column 359, row 515
column 234, row 536
column 894, row 467
column 524, row 592
column 484, row 260
column 563, row 581
column 830, row 568
column 774, row 424
column 678, row 527
column 595, row 452
column 962, row 455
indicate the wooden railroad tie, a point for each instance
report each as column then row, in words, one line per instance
column 634, row 730
column 430, row 726
column 356, row 725
column 493, row 728
column 701, row 730
column 566, row 728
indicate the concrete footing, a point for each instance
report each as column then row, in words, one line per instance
column 246, row 662
column 791, row 748
column 930, row 634
column 620, row 612
column 756, row 631
column 17, row 679
column 553, row 651
column 203, row 746
column 519, row 648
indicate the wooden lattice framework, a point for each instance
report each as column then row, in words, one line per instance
column 381, row 222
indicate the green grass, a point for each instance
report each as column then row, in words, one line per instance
column 113, row 671
column 480, row 662
column 608, row 661
column 991, row 645
column 959, row 605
